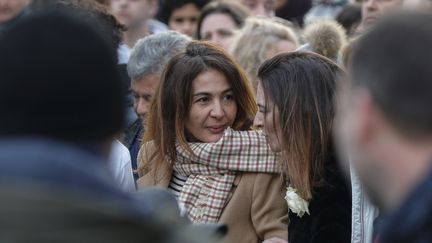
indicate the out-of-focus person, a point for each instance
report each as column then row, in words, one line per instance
column 181, row 15
column 350, row 17
column 10, row 10
column 292, row 10
column 259, row 40
column 385, row 124
column 134, row 15
column 60, row 112
column 112, row 31
column 262, row 8
column 219, row 21
column 324, row 10
column 373, row 10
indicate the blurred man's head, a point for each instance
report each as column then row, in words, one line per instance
column 147, row 61
column 59, row 80
column 264, row 8
column 373, row 10
column 386, row 118
column 133, row 13
column 11, row 8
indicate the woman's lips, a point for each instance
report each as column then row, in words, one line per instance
column 216, row 129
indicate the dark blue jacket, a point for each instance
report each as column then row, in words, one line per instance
column 63, row 167
column 412, row 222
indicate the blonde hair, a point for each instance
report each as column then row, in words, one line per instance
column 255, row 39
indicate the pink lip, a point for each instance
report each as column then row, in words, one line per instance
column 371, row 19
column 216, row 129
column 123, row 14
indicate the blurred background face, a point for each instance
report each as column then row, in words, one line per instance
column 143, row 91
column 213, row 108
column 372, row 10
column 11, row 8
column 184, row 19
column 267, row 118
column 279, row 3
column 132, row 13
column 263, row 8
column 218, row 28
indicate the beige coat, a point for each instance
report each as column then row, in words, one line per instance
column 256, row 209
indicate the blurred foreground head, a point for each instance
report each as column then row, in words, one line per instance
column 387, row 119
column 58, row 80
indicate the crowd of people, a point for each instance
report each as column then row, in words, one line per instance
column 269, row 121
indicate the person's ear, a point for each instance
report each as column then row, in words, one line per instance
column 366, row 117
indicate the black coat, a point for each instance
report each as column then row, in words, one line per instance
column 330, row 211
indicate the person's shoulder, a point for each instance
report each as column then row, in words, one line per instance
column 261, row 183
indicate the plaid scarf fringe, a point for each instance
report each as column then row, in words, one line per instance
column 212, row 169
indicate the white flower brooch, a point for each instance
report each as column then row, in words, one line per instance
column 296, row 204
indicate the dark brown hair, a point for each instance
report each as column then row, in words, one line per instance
column 302, row 87
column 173, row 98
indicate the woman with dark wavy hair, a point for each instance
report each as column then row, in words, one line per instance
column 296, row 102
column 199, row 145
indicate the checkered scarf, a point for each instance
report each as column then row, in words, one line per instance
column 211, row 172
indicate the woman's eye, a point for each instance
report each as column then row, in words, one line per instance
column 228, row 97
column 206, row 36
column 225, row 33
column 178, row 20
column 202, row 100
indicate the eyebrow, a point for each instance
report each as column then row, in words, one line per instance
column 207, row 93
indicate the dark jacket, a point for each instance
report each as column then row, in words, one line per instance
column 412, row 222
column 133, row 130
column 330, row 211
column 52, row 191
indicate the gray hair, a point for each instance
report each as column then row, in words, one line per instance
column 151, row 54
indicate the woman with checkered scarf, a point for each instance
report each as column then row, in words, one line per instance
column 199, row 145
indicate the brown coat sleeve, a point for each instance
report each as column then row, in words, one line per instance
column 269, row 208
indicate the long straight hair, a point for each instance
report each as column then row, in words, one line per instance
column 173, row 99
column 302, row 86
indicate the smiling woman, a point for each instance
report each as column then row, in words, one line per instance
column 204, row 101
column 213, row 107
